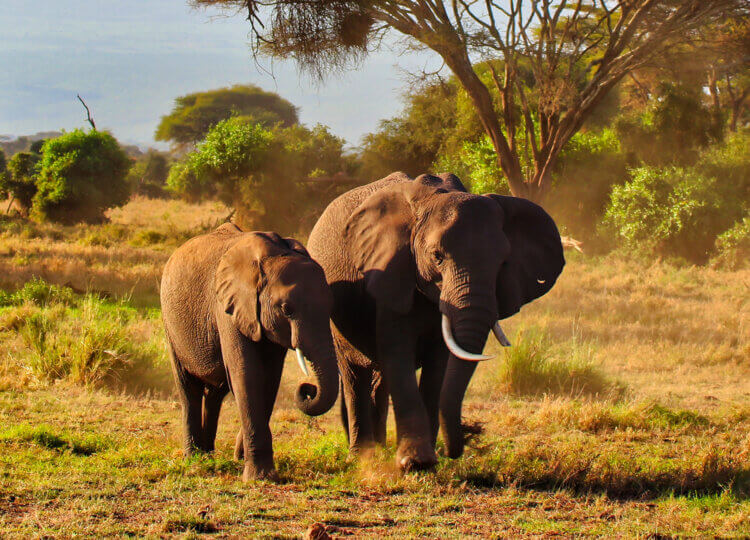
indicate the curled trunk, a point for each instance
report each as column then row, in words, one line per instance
column 318, row 397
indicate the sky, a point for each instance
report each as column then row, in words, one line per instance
column 129, row 59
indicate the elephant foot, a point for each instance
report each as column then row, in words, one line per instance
column 412, row 457
column 254, row 472
column 358, row 453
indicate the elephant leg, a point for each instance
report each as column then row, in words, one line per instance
column 190, row 393
column 273, row 367
column 380, row 408
column 212, row 400
column 433, row 356
column 247, row 376
column 397, row 344
column 357, row 386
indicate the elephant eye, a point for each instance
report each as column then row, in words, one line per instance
column 438, row 256
column 287, row 309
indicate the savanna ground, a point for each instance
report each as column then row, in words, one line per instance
column 623, row 408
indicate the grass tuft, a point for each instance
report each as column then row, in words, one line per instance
column 85, row 339
column 530, row 368
column 46, row 437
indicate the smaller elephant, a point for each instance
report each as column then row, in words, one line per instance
column 233, row 302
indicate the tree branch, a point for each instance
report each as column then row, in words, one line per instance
column 88, row 112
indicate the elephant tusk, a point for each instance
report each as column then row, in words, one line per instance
column 455, row 349
column 500, row 335
column 301, row 362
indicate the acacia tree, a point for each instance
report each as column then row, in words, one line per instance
column 195, row 114
column 577, row 51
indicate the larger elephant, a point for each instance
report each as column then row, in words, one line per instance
column 421, row 271
column 233, row 302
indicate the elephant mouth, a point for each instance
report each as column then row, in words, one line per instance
column 459, row 352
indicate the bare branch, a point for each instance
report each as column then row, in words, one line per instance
column 88, row 112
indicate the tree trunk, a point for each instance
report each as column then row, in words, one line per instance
column 480, row 96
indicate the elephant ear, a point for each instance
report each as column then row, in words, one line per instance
column 536, row 254
column 296, row 245
column 378, row 235
column 451, row 182
column 238, row 282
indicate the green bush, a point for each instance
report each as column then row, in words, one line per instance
column 733, row 246
column 671, row 211
column 19, row 180
column 148, row 176
column 147, row 237
column 232, row 152
column 672, row 130
column 81, row 175
column 39, row 293
column 729, row 163
column 257, row 171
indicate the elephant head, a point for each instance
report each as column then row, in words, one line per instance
column 272, row 288
column 478, row 257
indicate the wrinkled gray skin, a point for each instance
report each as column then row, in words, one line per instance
column 398, row 253
column 233, row 302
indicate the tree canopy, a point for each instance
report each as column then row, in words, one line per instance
column 81, row 174
column 261, row 172
column 193, row 115
column 574, row 51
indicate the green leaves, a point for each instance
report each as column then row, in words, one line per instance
column 195, row 114
column 80, row 176
column 673, row 210
column 258, row 171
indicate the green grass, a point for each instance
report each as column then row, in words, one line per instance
column 516, row 479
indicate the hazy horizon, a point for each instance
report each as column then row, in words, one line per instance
column 131, row 59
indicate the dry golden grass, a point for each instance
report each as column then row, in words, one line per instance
column 124, row 257
column 161, row 215
column 660, row 445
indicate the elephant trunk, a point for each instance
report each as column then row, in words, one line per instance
column 317, row 398
column 470, row 327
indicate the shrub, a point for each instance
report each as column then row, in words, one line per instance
column 671, row 211
column 733, row 246
column 19, row 181
column 147, row 237
column 39, row 293
column 148, row 176
column 233, row 150
column 729, row 163
column 256, row 171
column 106, row 235
column 81, row 175
column 672, row 130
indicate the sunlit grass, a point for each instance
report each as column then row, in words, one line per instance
column 622, row 409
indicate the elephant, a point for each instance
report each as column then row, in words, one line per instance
column 233, row 302
column 421, row 271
